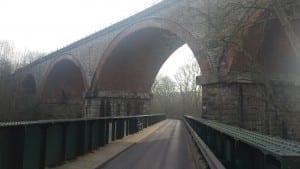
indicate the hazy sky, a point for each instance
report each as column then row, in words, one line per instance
column 47, row 25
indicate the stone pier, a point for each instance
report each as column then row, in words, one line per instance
column 270, row 106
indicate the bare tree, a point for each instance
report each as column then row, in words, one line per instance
column 17, row 58
column 190, row 93
column 164, row 92
column 179, row 96
column 6, row 68
column 6, row 54
column 227, row 23
column 26, row 57
column 15, row 103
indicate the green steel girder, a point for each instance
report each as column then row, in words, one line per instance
column 39, row 144
column 268, row 152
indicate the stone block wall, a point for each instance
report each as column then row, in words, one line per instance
column 287, row 110
column 220, row 102
column 275, row 111
column 117, row 104
column 59, row 111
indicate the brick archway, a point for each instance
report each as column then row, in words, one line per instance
column 134, row 57
column 64, row 78
column 28, row 85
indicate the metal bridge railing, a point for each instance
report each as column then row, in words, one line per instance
column 238, row 148
column 39, row 144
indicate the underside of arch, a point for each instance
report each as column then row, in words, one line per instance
column 64, row 83
column 29, row 85
column 268, row 50
column 134, row 58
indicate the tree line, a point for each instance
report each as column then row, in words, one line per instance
column 14, row 104
column 178, row 96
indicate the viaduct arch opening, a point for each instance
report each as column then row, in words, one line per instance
column 134, row 63
column 62, row 94
column 29, row 85
column 134, row 57
column 130, row 64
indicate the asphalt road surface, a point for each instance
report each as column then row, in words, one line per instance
column 166, row 148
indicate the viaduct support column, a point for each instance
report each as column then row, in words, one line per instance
column 270, row 106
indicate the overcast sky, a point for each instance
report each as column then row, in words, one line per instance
column 47, row 25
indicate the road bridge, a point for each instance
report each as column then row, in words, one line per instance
column 177, row 144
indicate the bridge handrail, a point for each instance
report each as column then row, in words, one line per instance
column 282, row 152
column 208, row 155
column 52, row 121
column 272, row 145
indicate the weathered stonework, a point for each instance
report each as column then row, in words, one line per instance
column 286, row 111
column 59, row 111
column 107, row 103
column 88, row 51
column 110, row 72
column 175, row 21
column 271, row 108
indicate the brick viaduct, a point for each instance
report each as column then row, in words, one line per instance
column 111, row 71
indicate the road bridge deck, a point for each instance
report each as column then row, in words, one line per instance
column 166, row 148
column 163, row 145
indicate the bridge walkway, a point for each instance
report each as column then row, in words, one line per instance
column 166, row 148
column 162, row 145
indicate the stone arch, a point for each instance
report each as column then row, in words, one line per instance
column 29, row 85
column 154, row 38
column 64, row 78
